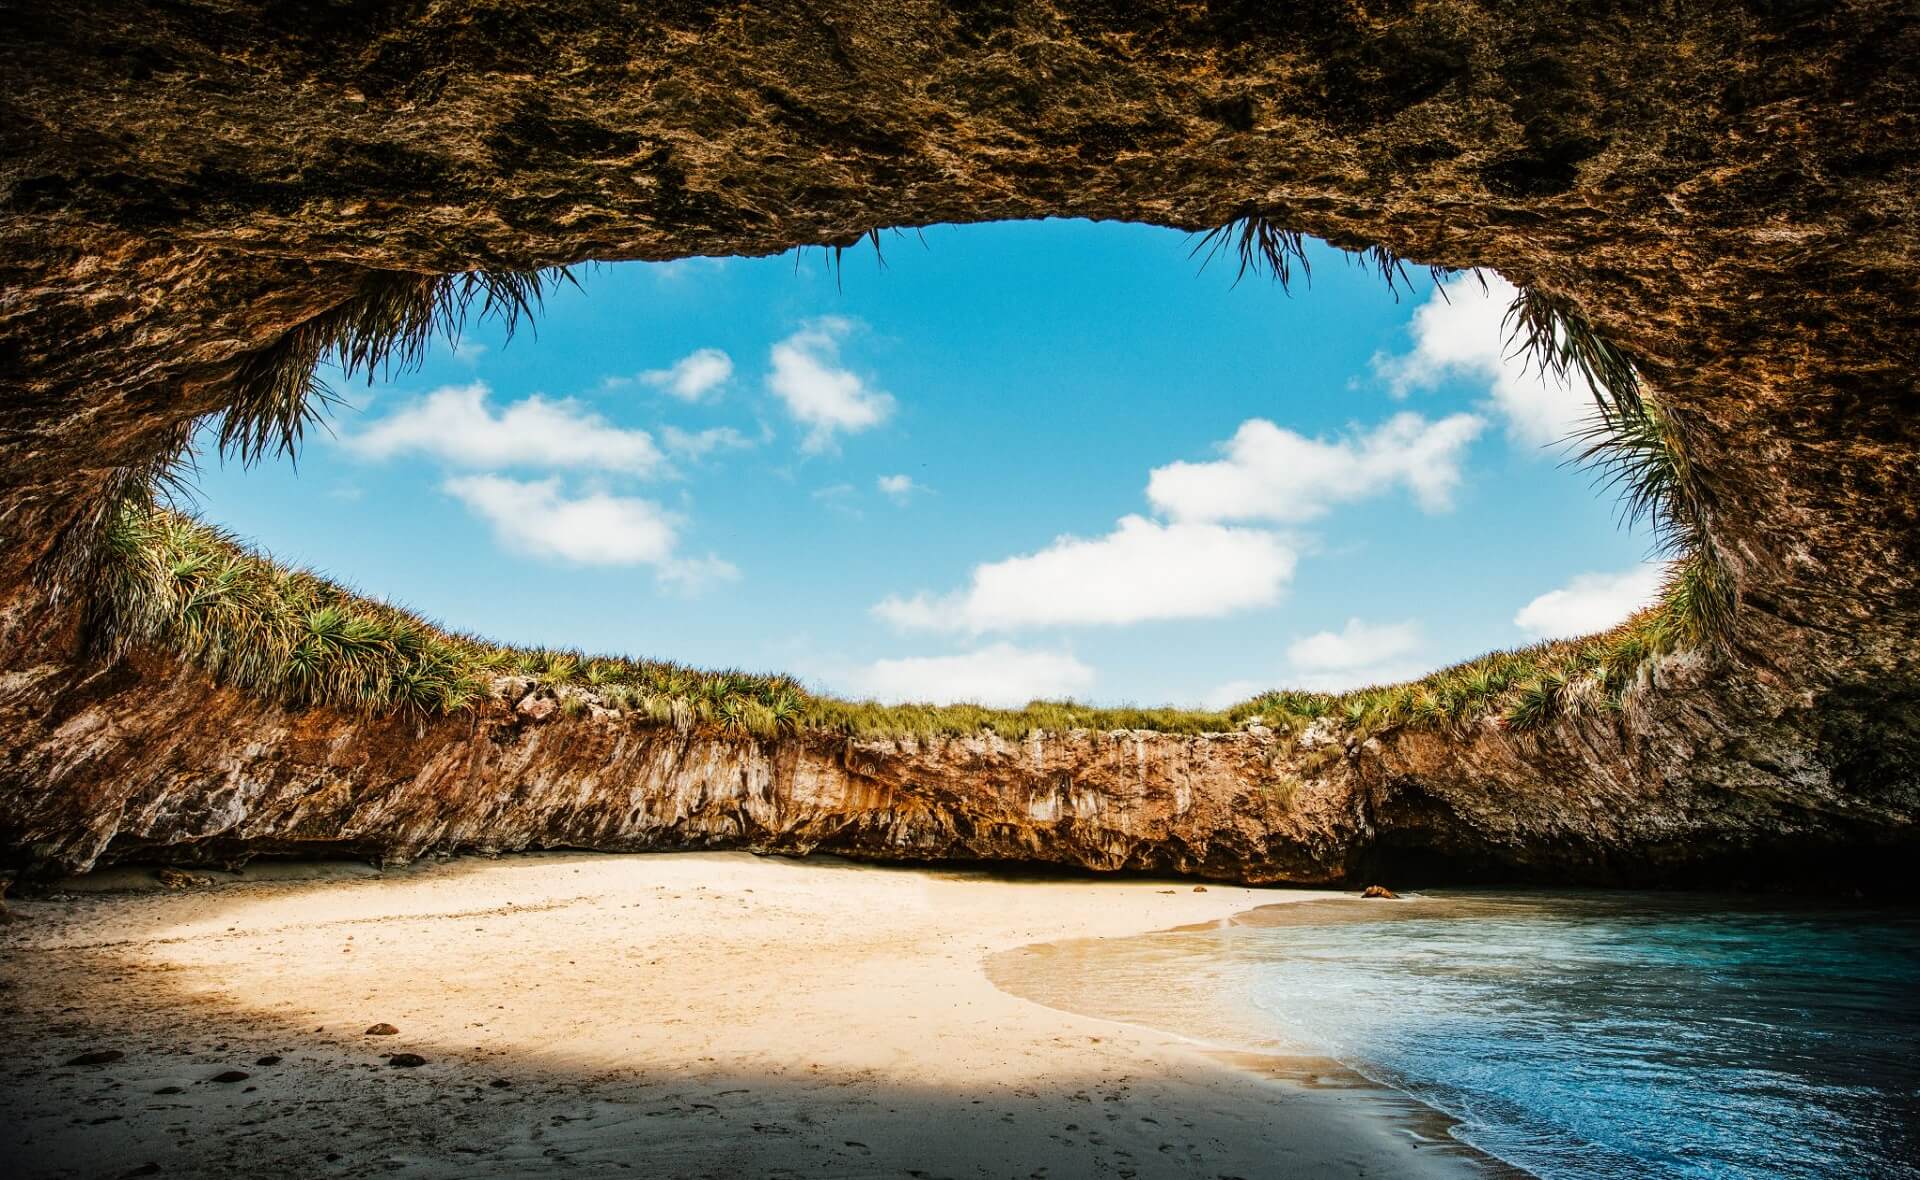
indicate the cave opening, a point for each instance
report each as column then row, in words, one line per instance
column 988, row 463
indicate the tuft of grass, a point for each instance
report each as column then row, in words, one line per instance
column 1701, row 598
column 286, row 634
column 1551, row 332
column 1392, row 270
column 1261, row 245
column 1539, row 700
column 836, row 252
column 386, row 325
column 871, row 719
column 1637, row 448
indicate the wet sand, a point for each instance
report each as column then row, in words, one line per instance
column 667, row 1015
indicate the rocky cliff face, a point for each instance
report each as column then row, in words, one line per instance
column 148, row 760
column 1728, row 191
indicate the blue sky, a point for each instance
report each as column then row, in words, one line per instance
column 1021, row 459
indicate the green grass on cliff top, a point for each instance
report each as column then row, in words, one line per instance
column 177, row 584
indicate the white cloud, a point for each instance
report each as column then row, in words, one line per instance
column 536, row 518
column 1462, row 334
column 1142, row 571
column 818, row 391
column 1271, row 473
column 1357, row 645
column 1001, row 675
column 454, row 423
column 839, row 498
column 694, row 375
column 678, row 270
column 898, row 488
column 699, row 444
column 468, row 352
column 690, row 575
column 1359, row 654
column 1233, row 692
column 1591, row 602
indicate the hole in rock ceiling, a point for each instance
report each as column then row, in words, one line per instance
column 1008, row 461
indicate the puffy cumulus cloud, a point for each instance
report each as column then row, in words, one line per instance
column 1001, row 675
column 1460, row 333
column 1359, row 644
column 690, row 575
column 1359, row 654
column 698, row 444
column 818, row 391
column 456, row 424
column 1591, row 602
column 1223, row 696
column 693, row 376
column 1268, row 472
column 537, row 518
column 1140, row 572
column 898, row 488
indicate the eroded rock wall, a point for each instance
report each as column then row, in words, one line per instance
column 147, row 760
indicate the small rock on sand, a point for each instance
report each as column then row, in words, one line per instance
column 269, row 1059
column 232, row 1075
column 98, row 1057
column 406, row 1060
column 1199, row 888
column 1378, row 891
column 383, row 1029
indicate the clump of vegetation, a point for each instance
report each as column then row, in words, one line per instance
column 183, row 586
column 1638, row 449
column 1263, row 244
column 386, row 325
column 871, row 719
column 173, row 582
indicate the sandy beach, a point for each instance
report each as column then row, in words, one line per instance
column 667, row 1015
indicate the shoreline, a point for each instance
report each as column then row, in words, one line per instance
column 1290, row 1063
column 684, row 1014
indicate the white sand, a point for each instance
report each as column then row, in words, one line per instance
column 668, row 1015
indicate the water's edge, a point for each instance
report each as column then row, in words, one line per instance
column 1575, row 1035
column 1270, row 1060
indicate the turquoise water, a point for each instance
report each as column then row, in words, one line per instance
column 1579, row 1035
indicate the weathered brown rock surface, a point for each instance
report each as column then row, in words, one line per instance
column 1727, row 190
column 147, row 760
